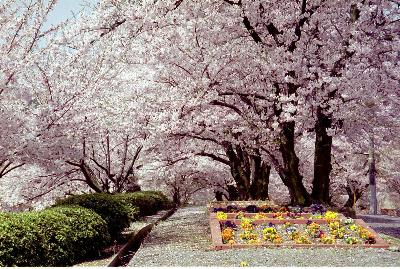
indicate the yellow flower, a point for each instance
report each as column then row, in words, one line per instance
column 325, row 239
column 248, row 235
column 302, row 239
column 240, row 215
column 330, row 215
column 247, row 224
column 222, row 215
column 243, row 264
column 260, row 216
column 334, row 225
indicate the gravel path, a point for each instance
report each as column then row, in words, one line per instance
column 184, row 240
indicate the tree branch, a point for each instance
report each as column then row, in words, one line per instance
column 223, row 104
column 214, row 157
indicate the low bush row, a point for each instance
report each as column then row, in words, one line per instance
column 58, row 236
column 75, row 228
column 118, row 210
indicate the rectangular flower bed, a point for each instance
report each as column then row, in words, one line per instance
column 245, row 232
column 303, row 217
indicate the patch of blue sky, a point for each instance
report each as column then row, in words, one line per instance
column 67, row 9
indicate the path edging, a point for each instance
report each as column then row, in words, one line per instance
column 129, row 249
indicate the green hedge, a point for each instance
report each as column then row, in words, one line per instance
column 52, row 237
column 115, row 212
column 75, row 228
column 148, row 202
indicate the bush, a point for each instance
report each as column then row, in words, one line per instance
column 115, row 212
column 52, row 237
column 148, row 202
column 89, row 230
column 162, row 201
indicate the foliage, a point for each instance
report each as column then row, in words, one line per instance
column 147, row 202
column 52, row 237
column 111, row 208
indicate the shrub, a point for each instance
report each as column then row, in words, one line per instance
column 52, row 237
column 117, row 214
column 162, row 201
column 148, row 202
column 89, row 231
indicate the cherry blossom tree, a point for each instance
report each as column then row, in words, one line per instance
column 254, row 85
column 282, row 73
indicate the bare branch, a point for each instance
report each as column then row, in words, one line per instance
column 214, row 157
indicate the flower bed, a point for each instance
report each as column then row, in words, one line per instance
column 261, row 207
column 301, row 217
column 277, row 216
column 330, row 229
column 245, row 232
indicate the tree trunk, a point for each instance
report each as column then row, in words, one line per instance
column 322, row 159
column 373, row 208
column 291, row 176
column 239, row 171
column 354, row 195
column 260, row 179
column 90, row 177
column 233, row 194
column 219, row 195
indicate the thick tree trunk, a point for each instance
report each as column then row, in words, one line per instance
column 291, row 175
column 250, row 173
column 260, row 179
column 239, row 171
column 322, row 159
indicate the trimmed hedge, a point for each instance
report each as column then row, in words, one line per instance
column 58, row 236
column 115, row 212
column 148, row 202
column 118, row 210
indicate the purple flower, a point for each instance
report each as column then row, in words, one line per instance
column 317, row 208
column 252, row 209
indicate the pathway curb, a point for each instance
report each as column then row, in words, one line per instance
column 129, row 249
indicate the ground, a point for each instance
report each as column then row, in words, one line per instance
column 184, row 240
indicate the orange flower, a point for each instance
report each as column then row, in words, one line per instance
column 227, row 234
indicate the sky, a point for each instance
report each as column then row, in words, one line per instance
column 65, row 9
